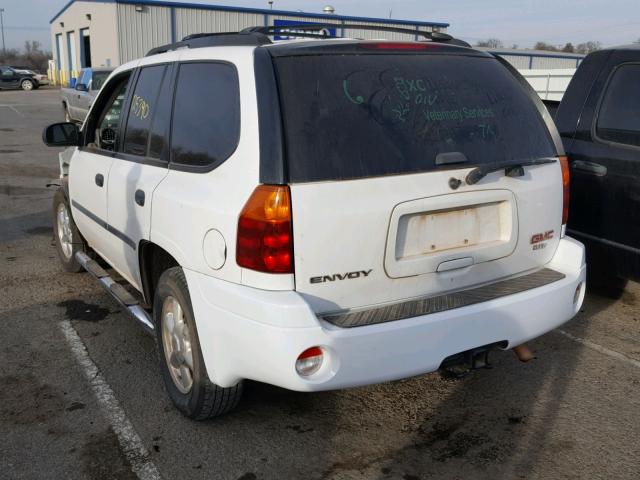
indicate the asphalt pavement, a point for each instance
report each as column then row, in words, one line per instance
column 574, row 412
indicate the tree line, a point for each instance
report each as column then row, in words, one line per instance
column 583, row 48
column 31, row 57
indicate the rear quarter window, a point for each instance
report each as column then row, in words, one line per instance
column 355, row 116
column 206, row 115
column 619, row 115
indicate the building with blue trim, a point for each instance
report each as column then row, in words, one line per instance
column 111, row 32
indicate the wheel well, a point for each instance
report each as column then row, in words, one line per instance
column 154, row 260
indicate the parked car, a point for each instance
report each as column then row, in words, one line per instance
column 319, row 214
column 77, row 101
column 14, row 79
column 599, row 121
column 42, row 79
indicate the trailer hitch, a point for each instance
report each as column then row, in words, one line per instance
column 460, row 364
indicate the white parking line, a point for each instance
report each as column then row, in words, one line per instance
column 129, row 440
column 601, row 349
column 14, row 109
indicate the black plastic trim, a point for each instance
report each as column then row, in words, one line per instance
column 104, row 224
column 272, row 159
column 441, row 303
column 220, row 39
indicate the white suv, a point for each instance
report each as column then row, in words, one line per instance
column 319, row 214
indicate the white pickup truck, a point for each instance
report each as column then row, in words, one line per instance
column 319, row 214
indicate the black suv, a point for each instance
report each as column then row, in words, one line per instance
column 11, row 79
column 599, row 121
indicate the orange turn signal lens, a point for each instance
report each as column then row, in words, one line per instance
column 265, row 240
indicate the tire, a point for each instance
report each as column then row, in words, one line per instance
column 67, row 237
column 188, row 386
column 605, row 283
column 27, row 85
column 67, row 117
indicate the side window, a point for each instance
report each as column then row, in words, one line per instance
column 103, row 125
column 206, row 115
column 142, row 110
column 161, row 125
column 6, row 72
column 619, row 115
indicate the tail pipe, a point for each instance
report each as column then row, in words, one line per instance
column 523, row 353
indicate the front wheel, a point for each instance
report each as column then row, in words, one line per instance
column 181, row 362
column 67, row 117
column 27, row 85
column 67, row 237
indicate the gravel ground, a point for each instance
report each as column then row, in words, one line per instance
column 572, row 413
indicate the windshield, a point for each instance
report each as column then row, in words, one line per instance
column 99, row 79
column 355, row 116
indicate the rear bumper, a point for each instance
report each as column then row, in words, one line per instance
column 254, row 334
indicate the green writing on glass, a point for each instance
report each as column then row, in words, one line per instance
column 358, row 100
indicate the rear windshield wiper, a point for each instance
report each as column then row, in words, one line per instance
column 511, row 168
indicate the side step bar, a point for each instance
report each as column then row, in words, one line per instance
column 117, row 291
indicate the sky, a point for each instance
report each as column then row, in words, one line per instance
column 521, row 22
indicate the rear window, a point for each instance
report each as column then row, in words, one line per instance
column 355, row 116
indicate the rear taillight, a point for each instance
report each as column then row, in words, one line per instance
column 564, row 164
column 265, row 241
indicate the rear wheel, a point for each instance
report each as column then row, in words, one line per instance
column 27, row 85
column 601, row 278
column 67, row 237
column 181, row 361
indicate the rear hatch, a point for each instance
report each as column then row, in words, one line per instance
column 379, row 140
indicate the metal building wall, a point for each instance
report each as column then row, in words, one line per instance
column 139, row 32
column 517, row 61
column 154, row 25
column 189, row 20
column 539, row 63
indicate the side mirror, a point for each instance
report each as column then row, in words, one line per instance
column 81, row 87
column 62, row 135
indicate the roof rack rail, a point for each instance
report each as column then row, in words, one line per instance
column 222, row 39
column 257, row 36
column 300, row 28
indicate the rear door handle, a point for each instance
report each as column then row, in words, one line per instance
column 139, row 197
column 99, row 179
column 589, row 167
